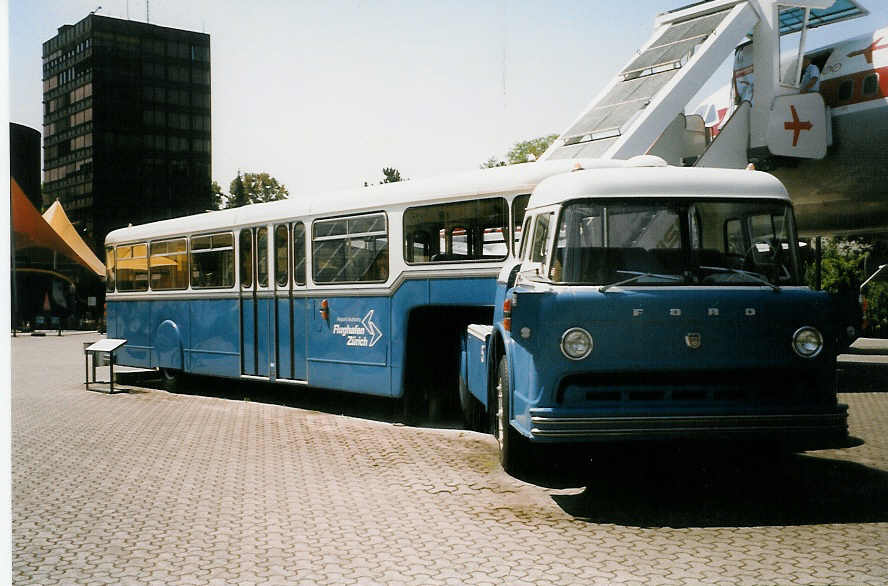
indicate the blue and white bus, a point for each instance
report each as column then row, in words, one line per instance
column 656, row 304
column 366, row 290
column 622, row 300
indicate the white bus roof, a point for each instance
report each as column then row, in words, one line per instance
column 657, row 182
column 510, row 179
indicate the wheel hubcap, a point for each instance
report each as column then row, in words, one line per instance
column 500, row 427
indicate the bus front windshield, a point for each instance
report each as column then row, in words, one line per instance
column 676, row 242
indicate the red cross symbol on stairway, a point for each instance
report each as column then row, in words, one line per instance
column 796, row 126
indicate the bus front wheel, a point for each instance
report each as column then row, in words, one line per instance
column 514, row 449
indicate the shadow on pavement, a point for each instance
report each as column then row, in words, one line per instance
column 862, row 377
column 664, row 487
column 374, row 408
column 686, row 489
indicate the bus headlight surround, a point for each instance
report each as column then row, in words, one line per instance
column 576, row 343
column 807, row 342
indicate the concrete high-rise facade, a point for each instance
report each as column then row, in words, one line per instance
column 126, row 132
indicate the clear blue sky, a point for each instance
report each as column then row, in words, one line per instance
column 322, row 95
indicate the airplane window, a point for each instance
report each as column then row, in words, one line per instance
column 845, row 90
column 870, row 84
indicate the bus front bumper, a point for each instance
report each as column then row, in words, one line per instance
column 821, row 430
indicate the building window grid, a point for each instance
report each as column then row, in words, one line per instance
column 66, row 53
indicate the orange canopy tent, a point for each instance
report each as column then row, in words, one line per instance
column 52, row 230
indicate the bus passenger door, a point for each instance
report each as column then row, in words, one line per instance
column 289, row 300
column 256, row 303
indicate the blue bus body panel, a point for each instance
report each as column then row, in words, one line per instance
column 229, row 336
column 349, row 350
column 264, row 331
column 132, row 322
column 300, row 331
column 248, row 327
column 215, row 337
column 283, row 359
column 470, row 292
column 170, row 325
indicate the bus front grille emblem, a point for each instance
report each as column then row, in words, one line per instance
column 693, row 340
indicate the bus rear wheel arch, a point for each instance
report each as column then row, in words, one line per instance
column 432, row 356
column 173, row 379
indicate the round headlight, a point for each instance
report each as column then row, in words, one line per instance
column 807, row 342
column 576, row 343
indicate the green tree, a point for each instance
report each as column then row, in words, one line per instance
column 845, row 264
column 217, row 197
column 249, row 188
column 529, row 150
column 493, row 162
column 391, row 174
column 841, row 265
column 875, row 316
column 522, row 151
column 237, row 193
column 262, row 187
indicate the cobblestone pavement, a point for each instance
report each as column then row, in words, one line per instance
column 151, row 487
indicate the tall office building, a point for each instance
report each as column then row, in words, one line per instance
column 24, row 160
column 126, row 132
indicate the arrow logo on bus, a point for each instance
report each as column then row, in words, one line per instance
column 375, row 333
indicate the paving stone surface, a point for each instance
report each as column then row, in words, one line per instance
column 148, row 487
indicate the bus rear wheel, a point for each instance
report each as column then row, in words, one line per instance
column 514, row 449
column 172, row 379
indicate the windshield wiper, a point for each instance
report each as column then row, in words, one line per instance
column 755, row 277
column 637, row 275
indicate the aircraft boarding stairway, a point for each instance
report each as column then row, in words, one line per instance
column 641, row 110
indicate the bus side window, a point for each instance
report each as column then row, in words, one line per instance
column 460, row 231
column 525, row 234
column 169, row 264
column 299, row 253
column 281, row 258
column 494, row 243
column 519, row 206
column 368, row 248
column 212, row 261
column 132, row 267
column 109, row 269
column 417, row 249
column 262, row 257
column 457, row 243
column 540, row 238
column 245, row 246
column 350, row 250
